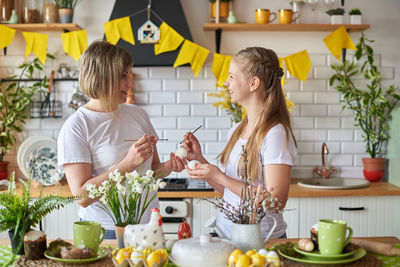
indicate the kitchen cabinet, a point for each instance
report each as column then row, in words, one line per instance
column 45, row 27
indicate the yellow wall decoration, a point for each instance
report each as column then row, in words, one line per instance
column 119, row 29
column 7, row 36
column 170, row 40
column 36, row 43
column 193, row 54
column 74, row 43
column 220, row 68
column 298, row 64
column 337, row 40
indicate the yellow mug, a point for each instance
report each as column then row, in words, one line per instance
column 264, row 16
column 287, row 16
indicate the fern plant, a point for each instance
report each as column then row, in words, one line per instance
column 21, row 213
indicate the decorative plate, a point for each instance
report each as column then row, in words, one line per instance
column 101, row 254
column 22, row 149
column 317, row 255
column 39, row 157
column 294, row 256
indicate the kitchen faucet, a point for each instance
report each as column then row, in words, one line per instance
column 324, row 173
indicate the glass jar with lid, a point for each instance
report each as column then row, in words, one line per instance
column 6, row 6
column 32, row 11
column 50, row 11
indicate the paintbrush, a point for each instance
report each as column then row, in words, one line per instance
column 192, row 133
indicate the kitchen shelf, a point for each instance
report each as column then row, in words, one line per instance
column 67, row 27
column 282, row 27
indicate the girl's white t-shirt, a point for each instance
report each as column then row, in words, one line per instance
column 274, row 150
column 98, row 138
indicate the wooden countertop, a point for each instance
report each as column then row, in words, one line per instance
column 375, row 189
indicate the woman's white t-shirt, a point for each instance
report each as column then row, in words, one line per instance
column 274, row 150
column 98, row 138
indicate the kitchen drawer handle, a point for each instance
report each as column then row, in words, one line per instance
column 356, row 208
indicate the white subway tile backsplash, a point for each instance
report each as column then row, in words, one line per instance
column 214, row 147
column 176, row 85
column 340, row 135
column 190, row 122
column 163, row 122
column 162, row 98
column 313, row 135
column 353, row 147
column 340, row 160
column 358, row 135
column 223, row 136
column 140, row 72
column 187, row 72
column 327, row 98
column 148, row 85
column 176, row 110
column 141, row 98
column 300, row 98
column 348, row 123
column 313, row 85
column 174, row 135
column 387, row 72
column 310, row 160
column 324, row 123
column 323, row 72
column 32, row 124
column 204, row 110
column 162, row 72
column 166, row 147
column 313, row 110
column 153, row 110
column 305, row 147
column 218, row 122
column 207, row 135
column 335, row 110
column 333, row 147
column 318, row 60
column 303, row 122
column 203, row 85
column 292, row 86
column 189, row 97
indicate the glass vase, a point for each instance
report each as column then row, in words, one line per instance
column 6, row 6
column 49, row 12
column 32, row 11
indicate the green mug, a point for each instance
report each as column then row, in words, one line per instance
column 332, row 236
column 88, row 234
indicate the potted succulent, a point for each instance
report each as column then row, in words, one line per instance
column 14, row 101
column 19, row 213
column 66, row 10
column 355, row 16
column 336, row 15
column 371, row 103
column 223, row 8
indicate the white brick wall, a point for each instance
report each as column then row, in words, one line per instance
column 177, row 102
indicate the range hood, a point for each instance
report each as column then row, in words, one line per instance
column 168, row 10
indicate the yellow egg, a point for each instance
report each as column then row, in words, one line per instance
column 163, row 254
column 153, row 258
column 234, row 256
column 251, row 252
column 257, row 260
column 124, row 253
column 243, row 261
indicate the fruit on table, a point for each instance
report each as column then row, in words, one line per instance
column 306, row 244
column 184, row 230
column 181, row 152
column 234, row 256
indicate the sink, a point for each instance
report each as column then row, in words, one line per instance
column 334, row 183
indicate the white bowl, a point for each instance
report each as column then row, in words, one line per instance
column 202, row 251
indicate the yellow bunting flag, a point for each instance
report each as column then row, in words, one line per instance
column 170, row 40
column 283, row 81
column 119, row 29
column 36, row 43
column 220, row 68
column 7, row 36
column 338, row 40
column 193, row 54
column 74, row 43
column 298, row 64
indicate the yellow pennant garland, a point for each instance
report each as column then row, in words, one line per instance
column 7, row 36
column 36, row 43
column 220, row 68
column 74, row 43
column 119, row 29
column 193, row 54
column 337, row 40
column 170, row 40
column 298, row 64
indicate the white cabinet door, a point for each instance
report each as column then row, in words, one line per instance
column 59, row 223
column 202, row 211
column 368, row 216
column 291, row 217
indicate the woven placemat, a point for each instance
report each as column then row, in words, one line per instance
column 23, row 262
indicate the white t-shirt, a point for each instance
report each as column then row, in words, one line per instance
column 273, row 151
column 98, row 138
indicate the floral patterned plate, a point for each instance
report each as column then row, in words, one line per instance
column 40, row 159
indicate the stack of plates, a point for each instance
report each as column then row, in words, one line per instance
column 37, row 156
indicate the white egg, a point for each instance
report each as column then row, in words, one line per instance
column 272, row 256
column 136, row 257
column 169, row 244
column 181, row 152
column 192, row 163
column 263, row 252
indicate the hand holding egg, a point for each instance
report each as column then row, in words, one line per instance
column 181, row 152
column 192, row 163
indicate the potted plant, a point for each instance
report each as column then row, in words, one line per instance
column 355, row 16
column 19, row 213
column 14, row 101
column 66, row 10
column 371, row 103
column 336, row 15
column 223, row 8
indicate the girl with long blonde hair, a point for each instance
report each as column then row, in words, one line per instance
column 255, row 83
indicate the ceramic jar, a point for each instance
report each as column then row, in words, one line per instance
column 49, row 11
column 32, row 11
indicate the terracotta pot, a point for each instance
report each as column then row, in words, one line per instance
column 374, row 168
column 119, row 232
column 4, row 170
column 66, row 15
column 223, row 9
